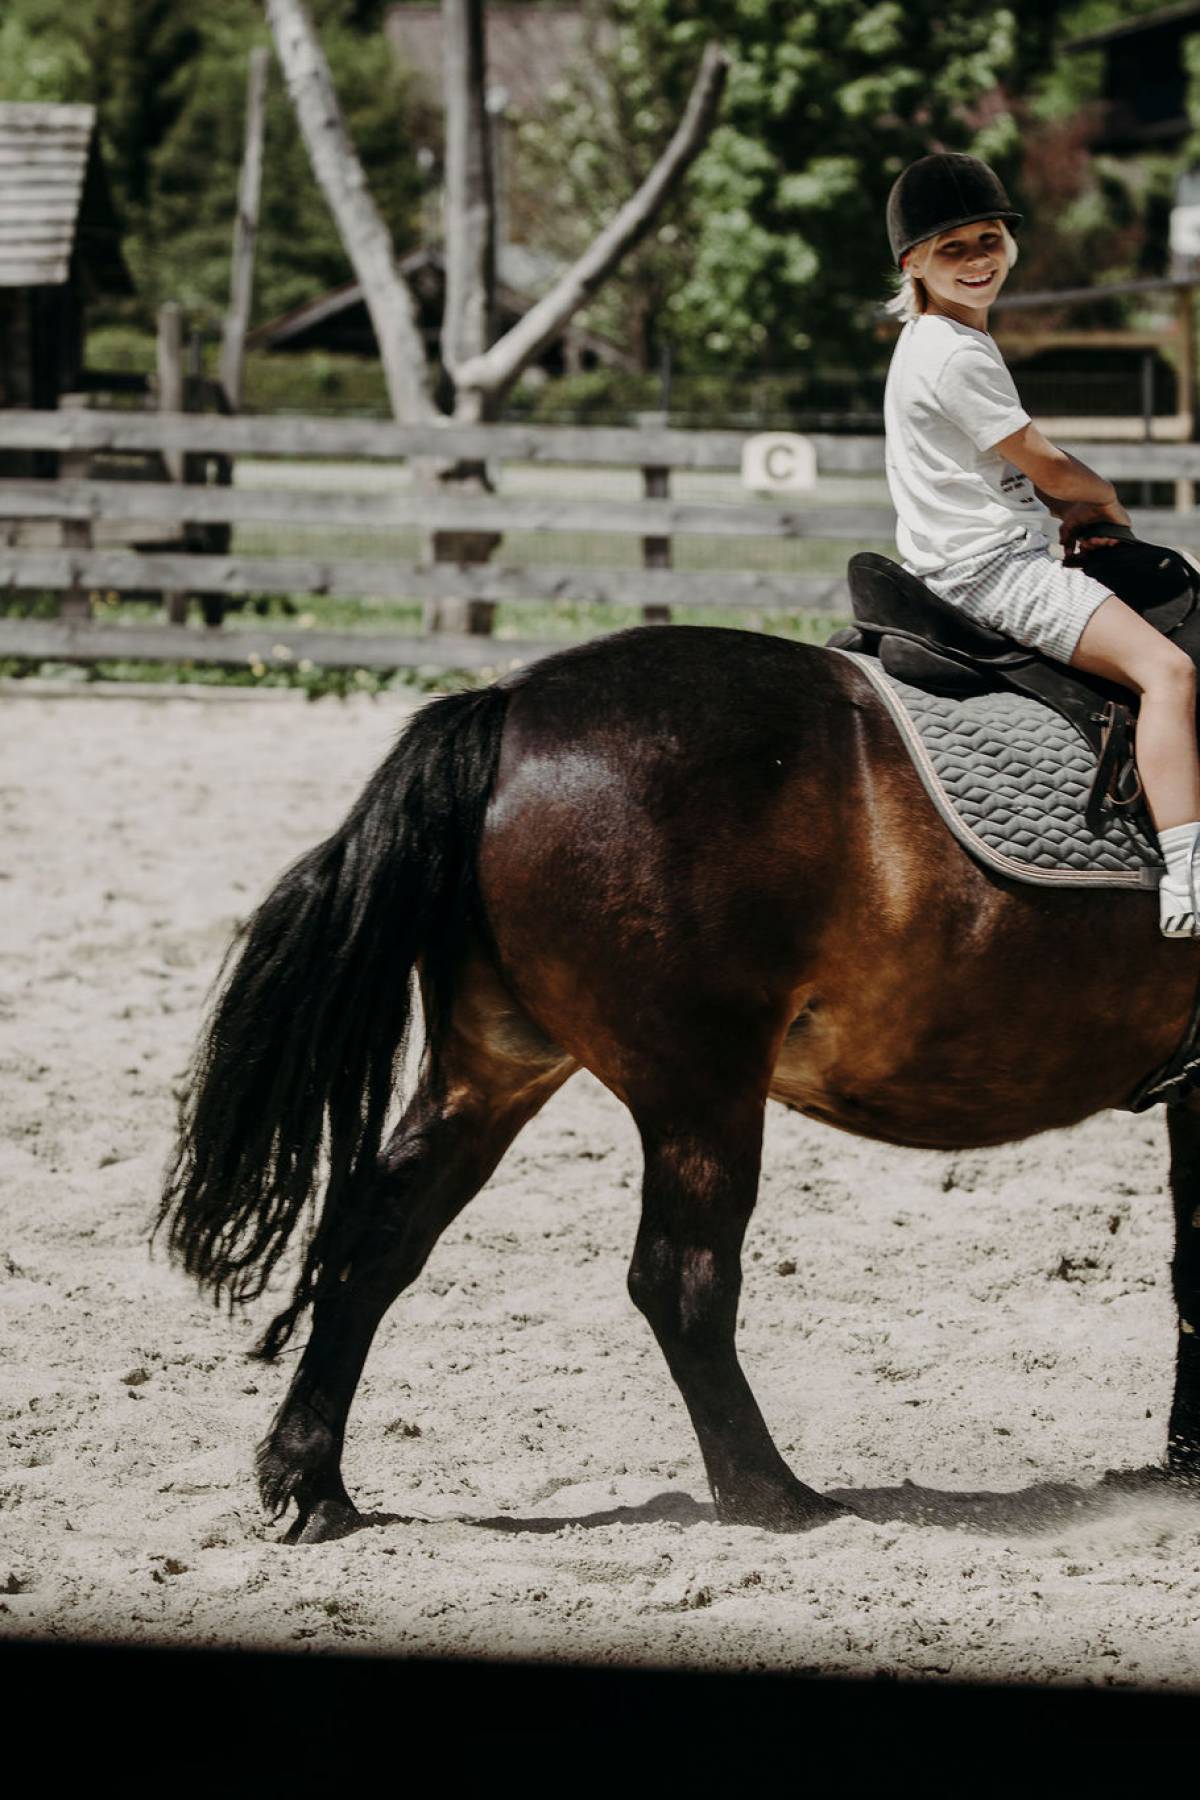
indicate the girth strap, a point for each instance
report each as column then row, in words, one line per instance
column 1179, row 1076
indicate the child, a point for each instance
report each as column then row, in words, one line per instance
column 974, row 483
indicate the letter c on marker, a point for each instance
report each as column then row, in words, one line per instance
column 780, row 461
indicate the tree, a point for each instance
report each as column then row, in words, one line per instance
column 39, row 60
column 1093, row 218
column 481, row 373
column 777, row 248
column 168, row 78
column 181, row 247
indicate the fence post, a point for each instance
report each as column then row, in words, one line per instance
column 467, row 549
column 656, row 551
column 171, row 387
column 76, row 602
column 75, row 465
column 1185, row 491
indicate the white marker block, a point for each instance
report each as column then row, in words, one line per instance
column 779, row 462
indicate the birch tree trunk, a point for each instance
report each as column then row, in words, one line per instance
column 492, row 373
column 468, row 318
column 245, row 234
column 470, row 208
column 364, row 234
column 481, row 371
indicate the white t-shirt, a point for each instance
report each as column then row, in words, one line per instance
column 949, row 400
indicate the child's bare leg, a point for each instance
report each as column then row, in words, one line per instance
column 1119, row 645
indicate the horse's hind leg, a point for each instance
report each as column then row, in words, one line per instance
column 1183, row 1432
column 444, row 1149
column 701, row 1180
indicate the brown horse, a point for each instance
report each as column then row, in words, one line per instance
column 700, row 864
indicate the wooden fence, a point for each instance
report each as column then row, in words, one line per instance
column 83, row 537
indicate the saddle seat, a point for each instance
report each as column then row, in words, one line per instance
column 923, row 640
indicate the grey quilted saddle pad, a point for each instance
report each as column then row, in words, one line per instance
column 1011, row 779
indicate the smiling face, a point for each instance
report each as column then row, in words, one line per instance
column 963, row 270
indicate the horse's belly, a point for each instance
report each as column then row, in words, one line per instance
column 935, row 1085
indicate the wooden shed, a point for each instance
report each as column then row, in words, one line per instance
column 59, row 248
column 1144, row 104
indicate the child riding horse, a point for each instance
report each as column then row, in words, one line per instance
column 974, row 483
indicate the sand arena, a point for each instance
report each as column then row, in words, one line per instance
column 963, row 1344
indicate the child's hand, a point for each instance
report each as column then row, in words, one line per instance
column 1076, row 517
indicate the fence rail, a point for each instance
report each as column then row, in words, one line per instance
column 115, row 571
column 272, row 646
column 173, row 503
column 383, row 440
column 49, row 529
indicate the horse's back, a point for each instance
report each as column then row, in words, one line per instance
column 718, row 836
column 702, row 682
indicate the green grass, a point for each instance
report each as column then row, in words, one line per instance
column 534, row 620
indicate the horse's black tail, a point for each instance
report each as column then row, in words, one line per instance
column 293, row 1076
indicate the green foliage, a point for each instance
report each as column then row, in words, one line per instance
column 141, row 53
column 1191, row 54
column 312, row 381
column 772, row 256
column 169, row 80
column 1067, row 83
column 1091, row 218
column 40, row 59
column 777, row 249
column 775, row 252
column 184, row 241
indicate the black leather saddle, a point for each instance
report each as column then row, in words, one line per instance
column 925, row 641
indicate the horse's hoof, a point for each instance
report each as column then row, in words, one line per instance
column 327, row 1520
column 823, row 1512
column 802, row 1509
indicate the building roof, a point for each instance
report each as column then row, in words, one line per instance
column 54, row 200
column 1186, row 17
column 529, row 48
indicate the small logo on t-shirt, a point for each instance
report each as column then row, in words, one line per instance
column 1017, row 486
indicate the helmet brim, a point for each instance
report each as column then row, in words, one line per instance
column 975, row 218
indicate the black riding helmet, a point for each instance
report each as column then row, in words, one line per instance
column 939, row 192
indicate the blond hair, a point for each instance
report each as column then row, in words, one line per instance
column 910, row 299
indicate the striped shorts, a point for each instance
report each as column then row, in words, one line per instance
column 1024, row 592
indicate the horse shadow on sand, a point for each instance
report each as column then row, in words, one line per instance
column 1023, row 1512
column 1026, row 1511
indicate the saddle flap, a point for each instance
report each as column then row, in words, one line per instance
column 885, row 597
column 924, row 667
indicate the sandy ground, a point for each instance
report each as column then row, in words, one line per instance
column 965, row 1343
